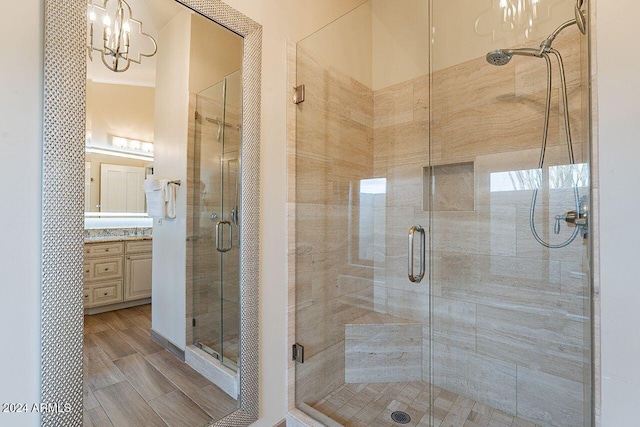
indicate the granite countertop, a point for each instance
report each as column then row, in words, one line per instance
column 101, row 235
column 103, row 239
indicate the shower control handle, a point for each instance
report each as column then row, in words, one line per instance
column 219, row 236
column 579, row 219
column 412, row 231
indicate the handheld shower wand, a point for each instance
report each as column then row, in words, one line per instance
column 502, row 57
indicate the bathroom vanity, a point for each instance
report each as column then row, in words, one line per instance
column 117, row 272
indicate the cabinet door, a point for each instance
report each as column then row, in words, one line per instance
column 137, row 281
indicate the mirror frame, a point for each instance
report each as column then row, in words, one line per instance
column 62, row 307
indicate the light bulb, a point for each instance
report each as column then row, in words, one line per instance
column 119, row 142
column 503, row 4
column 92, row 16
column 106, row 21
column 126, row 27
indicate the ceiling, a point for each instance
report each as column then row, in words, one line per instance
column 154, row 15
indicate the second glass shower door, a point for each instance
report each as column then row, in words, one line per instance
column 217, row 223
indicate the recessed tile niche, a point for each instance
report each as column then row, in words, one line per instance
column 453, row 187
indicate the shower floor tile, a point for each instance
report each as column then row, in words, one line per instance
column 371, row 405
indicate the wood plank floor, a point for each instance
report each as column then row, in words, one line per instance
column 129, row 380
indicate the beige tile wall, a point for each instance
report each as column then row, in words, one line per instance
column 508, row 315
column 334, row 151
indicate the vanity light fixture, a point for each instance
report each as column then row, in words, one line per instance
column 116, row 20
column 143, row 147
column 123, row 147
column 118, row 153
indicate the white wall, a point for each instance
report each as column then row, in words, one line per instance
column 345, row 45
column 395, row 59
column 619, row 109
column 20, row 224
column 215, row 53
column 468, row 29
column 20, row 160
column 119, row 110
column 170, row 162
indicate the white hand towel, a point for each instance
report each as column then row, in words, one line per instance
column 154, row 190
column 170, row 198
column 151, row 184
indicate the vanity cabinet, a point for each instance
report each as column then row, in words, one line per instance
column 117, row 272
column 103, row 268
column 137, row 279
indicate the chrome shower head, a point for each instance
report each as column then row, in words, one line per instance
column 502, row 57
column 499, row 57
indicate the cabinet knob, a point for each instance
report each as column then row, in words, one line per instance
column 106, row 250
column 106, row 293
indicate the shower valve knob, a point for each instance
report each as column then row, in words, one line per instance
column 556, row 227
column 579, row 219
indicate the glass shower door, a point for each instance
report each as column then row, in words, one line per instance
column 422, row 117
column 510, row 308
column 217, row 222
column 362, row 155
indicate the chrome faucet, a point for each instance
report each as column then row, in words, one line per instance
column 578, row 219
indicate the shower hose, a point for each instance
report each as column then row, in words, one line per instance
column 543, row 150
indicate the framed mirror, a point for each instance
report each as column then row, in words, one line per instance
column 66, row 176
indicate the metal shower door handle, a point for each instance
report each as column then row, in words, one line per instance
column 220, row 235
column 412, row 231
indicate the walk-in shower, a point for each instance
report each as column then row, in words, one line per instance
column 216, row 263
column 421, row 170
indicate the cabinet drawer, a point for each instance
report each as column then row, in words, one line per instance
column 107, row 293
column 87, row 271
column 88, row 297
column 103, row 249
column 105, row 268
column 140, row 246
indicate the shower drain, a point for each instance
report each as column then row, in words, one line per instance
column 400, row 417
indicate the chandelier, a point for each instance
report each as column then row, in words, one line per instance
column 519, row 15
column 115, row 19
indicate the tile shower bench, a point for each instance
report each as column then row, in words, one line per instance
column 380, row 348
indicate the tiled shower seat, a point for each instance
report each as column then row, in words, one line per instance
column 380, row 348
